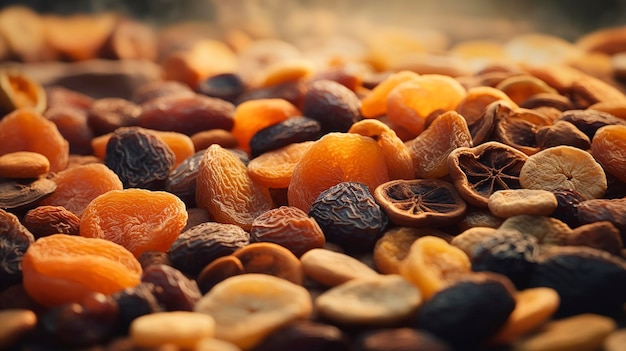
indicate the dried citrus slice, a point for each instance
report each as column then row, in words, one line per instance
column 420, row 202
column 63, row 268
column 564, row 167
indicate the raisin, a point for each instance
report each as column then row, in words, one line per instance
column 226, row 86
column 200, row 245
column 139, row 158
column 173, row 290
column 290, row 131
column 48, row 220
column 349, row 216
column 508, row 252
column 332, row 104
column 134, row 302
column 587, row 280
column 87, row 323
column 182, row 180
column 14, row 241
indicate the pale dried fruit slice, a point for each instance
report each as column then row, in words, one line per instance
column 433, row 264
column 377, row 301
column 533, row 307
column 472, row 237
column 547, row 230
column 508, row 203
column 564, row 167
column 249, row 307
column 181, row 328
column 332, row 268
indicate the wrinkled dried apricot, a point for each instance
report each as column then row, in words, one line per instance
column 77, row 186
column 431, row 148
column 64, row 268
column 273, row 169
column 27, row 130
column 254, row 115
column 226, row 191
column 375, row 103
column 608, row 147
column 410, row 103
column 138, row 219
column 335, row 158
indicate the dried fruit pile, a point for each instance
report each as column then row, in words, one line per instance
column 272, row 199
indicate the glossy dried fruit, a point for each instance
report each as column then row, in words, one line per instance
column 226, row 86
column 77, row 186
column 182, row 179
column 48, row 220
column 420, row 202
column 108, row 114
column 349, row 216
column 201, row 244
column 564, row 167
column 291, row 131
column 333, row 105
column 139, row 158
column 172, row 289
column 608, row 146
column 187, row 114
column 138, row 219
column 289, row 227
column 432, row 264
column 14, row 241
column 431, row 148
column 27, row 130
column 482, row 170
column 63, row 268
column 226, row 191
column 336, row 158
column 271, row 259
column 134, row 302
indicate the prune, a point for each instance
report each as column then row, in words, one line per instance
column 566, row 210
column 399, row 339
column 587, row 280
column 332, row 104
column 509, row 253
column 14, row 241
column 612, row 210
column 89, row 322
column 200, row 245
column 305, row 336
column 226, row 86
column 589, row 121
column 139, row 158
column 468, row 312
column 290, row 91
column 48, row 220
column 134, row 302
column 292, row 130
column 349, row 216
column 108, row 114
column 182, row 180
column 173, row 290
column 187, row 114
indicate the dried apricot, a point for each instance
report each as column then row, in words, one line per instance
column 138, row 219
column 336, row 158
column 273, row 169
column 77, row 186
column 63, row 268
column 608, row 147
column 410, row 103
column 254, row 115
column 564, row 167
column 27, row 130
column 374, row 104
column 431, row 148
column 226, row 191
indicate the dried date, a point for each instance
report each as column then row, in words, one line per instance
column 332, row 104
column 293, row 130
column 172, row 289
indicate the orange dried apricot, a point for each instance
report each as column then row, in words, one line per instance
column 431, row 148
column 375, row 103
column 410, row 103
column 254, row 115
column 140, row 220
column 397, row 156
column 336, row 158
column 477, row 99
column 608, row 147
column 273, row 169
column 78, row 186
column 27, row 130
column 63, row 268
column 226, row 191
